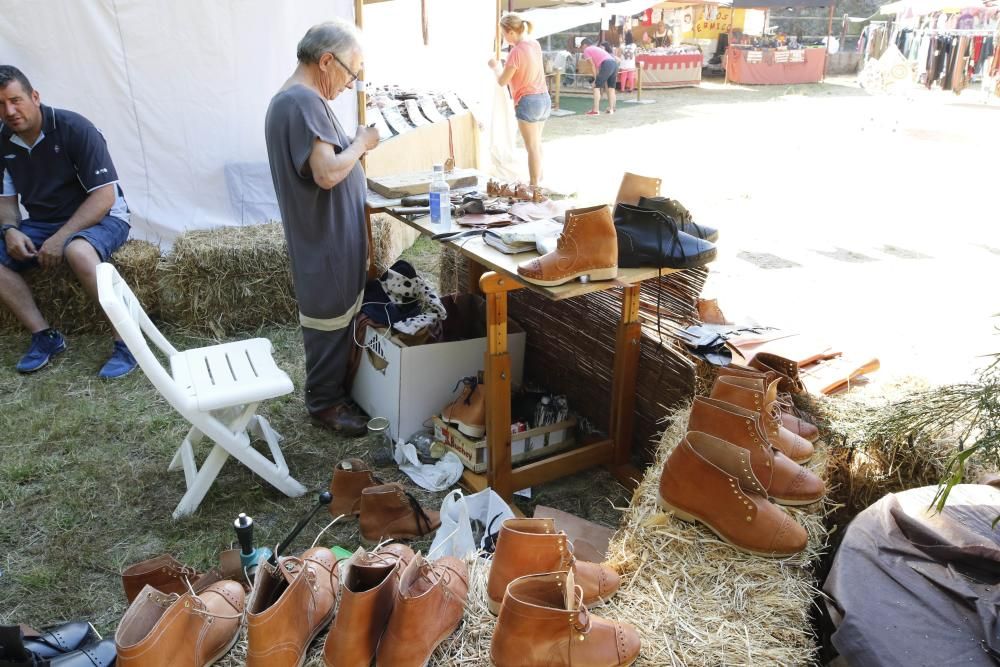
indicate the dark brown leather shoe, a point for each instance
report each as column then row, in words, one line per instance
column 342, row 419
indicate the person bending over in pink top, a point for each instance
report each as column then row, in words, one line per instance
column 525, row 76
column 605, row 74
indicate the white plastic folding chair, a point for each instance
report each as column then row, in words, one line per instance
column 216, row 388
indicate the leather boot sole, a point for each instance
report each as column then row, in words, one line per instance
column 471, row 430
column 790, row 502
column 692, row 518
column 594, row 274
column 493, row 664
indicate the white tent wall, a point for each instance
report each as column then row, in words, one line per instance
column 180, row 90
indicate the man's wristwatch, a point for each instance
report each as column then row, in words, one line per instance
column 3, row 231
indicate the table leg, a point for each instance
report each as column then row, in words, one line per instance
column 498, row 384
column 626, row 370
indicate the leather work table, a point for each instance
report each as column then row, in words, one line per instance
column 495, row 274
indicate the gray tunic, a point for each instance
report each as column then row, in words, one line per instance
column 326, row 235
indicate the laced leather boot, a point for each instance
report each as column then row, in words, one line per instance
column 350, row 478
column 650, row 238
column 290, row 604
column 753, row 394
column 367, row 596
column 532, row 546
column 468, row 413
column 160, row 630
column 544, row 623
column 674, row 210
column 388, row 512
column 786, row 368
column 429, row 606
column 711, row 481
column 634, row 186
column 587, row 246
column 790, row 418
column 782, row 479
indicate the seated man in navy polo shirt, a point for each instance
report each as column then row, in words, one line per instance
column 58, row 163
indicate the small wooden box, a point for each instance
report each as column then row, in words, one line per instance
column 525, row 446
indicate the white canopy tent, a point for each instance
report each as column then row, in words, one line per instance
column 549, row 21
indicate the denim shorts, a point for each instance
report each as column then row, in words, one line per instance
column 607, row 74
column 106, row 236
column 533, row 108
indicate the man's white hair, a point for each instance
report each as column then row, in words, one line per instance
column 338, row 37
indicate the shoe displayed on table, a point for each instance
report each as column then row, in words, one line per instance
column 533, row 546
column 389, row 512
column 289, row 605
column 587, row 249
column 350, row 478
column 44, row 345
column 189, row 630
column 367, row 596
column 675, row 210
column 468, row 412
column 120, row 363
column 634, row 186
column 430, row 602
column 650, row 238
column 710, row 481
column 342, row 419
column 545, row 623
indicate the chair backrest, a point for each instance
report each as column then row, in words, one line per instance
column 134, row 326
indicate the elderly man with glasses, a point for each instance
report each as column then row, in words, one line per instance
column 321, row 193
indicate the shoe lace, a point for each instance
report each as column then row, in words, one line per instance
column 581, row 623
column 419, row 512
column 202, row 609
column 471, row 382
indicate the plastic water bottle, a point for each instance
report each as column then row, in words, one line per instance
column 440, row 200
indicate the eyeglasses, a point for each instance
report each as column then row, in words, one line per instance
column 354, row 75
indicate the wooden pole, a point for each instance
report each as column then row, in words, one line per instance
column 497, row 37
column 729, row 43
column 359, row 20
column 558, row 86
column 638, row 80
column 826, row 50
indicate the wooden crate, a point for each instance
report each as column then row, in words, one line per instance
column 531, row 445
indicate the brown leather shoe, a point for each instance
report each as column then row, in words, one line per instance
column 468, row 412
column 635, row 186
column 587, row 246
column 782, row 479
column 388, row 512
column 544, row 623
column 289, row 606
column 532, row 546
column 753, row 394
column 711, row 481
column 429, row 606
column 342, row 419
column 790, row 418
column 160, row 630
column 367, row 596
column 164, row 573
column 786, row 368
column 350, row 478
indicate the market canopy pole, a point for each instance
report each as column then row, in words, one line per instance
column 829, row 33
column 359, row 10
column 496, row 38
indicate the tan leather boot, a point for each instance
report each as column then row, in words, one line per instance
column 588, row 246
column 782, row 479
column 429, row 606
column 289, row 606
column 544, row 623
column 350, row 478
column 789, row 413
column 532, row 546
column 161, row 630
column 711, row 481
column 367, row 595
column 753, row 394
column 634, row 186
column 163, row 573
column 468, row 412
column 388, row 512
column 786, row 368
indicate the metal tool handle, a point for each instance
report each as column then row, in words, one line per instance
column 324, row 500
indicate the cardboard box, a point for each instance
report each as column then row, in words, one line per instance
column 525, row 446
column 409, row 385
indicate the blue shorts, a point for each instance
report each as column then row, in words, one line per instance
column 607, row 75
column 533, row 108
column 106, row 236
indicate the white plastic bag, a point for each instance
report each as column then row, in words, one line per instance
column 455, row 536
column 431, row 476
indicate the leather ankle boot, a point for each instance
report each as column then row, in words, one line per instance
column 388, row 512
column 160, row 630
column 790, row 418
column 649, row 238
column 587, row 246
column 786, row 368
column 711, row 481
column 290, row 604
column 753, row 394
column 468, row 413
column 634, row 186
column 350, row 478
column 532, row 546
column 367, row 595
column 163, row 573
column 429, row 606
column 544, row 623
column 782, row 479
column 674, row 210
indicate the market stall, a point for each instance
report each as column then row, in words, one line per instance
column 675, row 66
column 763, row 61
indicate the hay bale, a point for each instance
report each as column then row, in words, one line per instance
column 390, row 238
column 67, row 306
column 228, row 280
